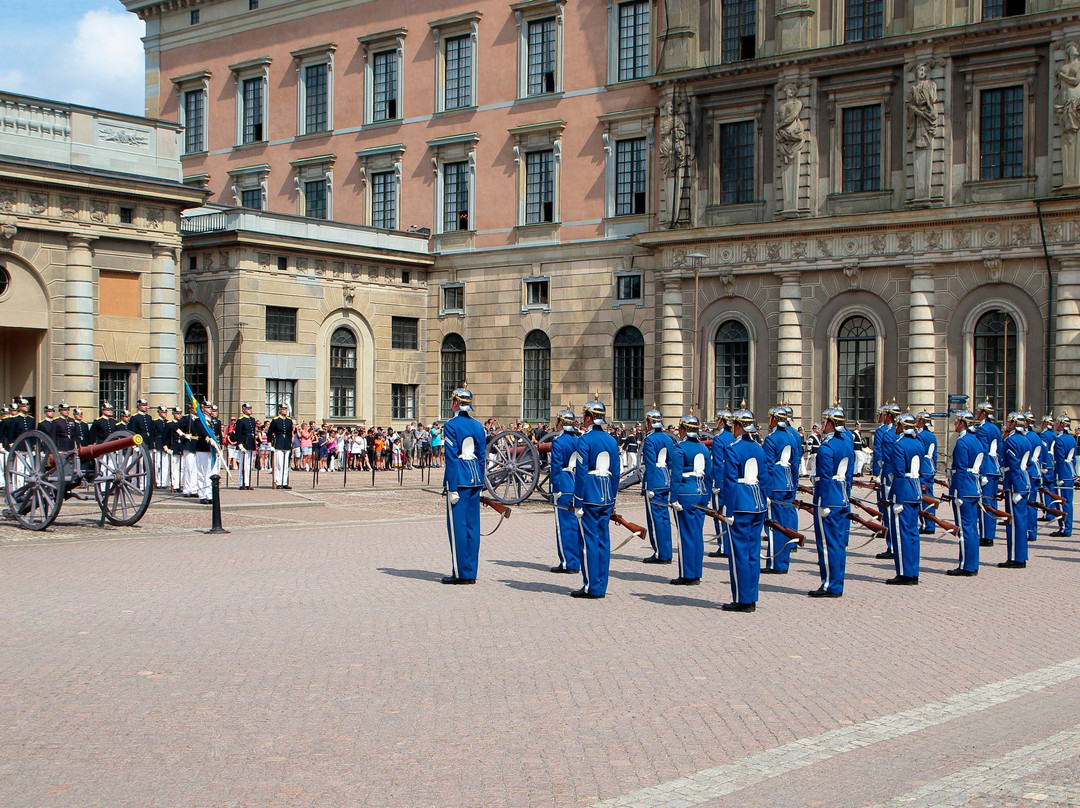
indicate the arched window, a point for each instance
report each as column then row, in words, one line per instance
column 453, row 371
column 197, row 360
column 536, row 395
column 629, row 382
column 343, row 374
column 856, row 363
column 732, row 349
column 995, row 361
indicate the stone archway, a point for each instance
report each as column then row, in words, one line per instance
column 24, row 327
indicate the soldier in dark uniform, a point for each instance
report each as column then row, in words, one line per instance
column 158, row 437
column 21, row 421
column 66, row 432
column 104, row 426
column 280, row 435
column 84, row 428
column 141, row 423
column 48, row 423
column 243, row 437
column 188, row 445
column 174, row 447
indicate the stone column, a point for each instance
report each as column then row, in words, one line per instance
column 789, row 354
column 164, row 322
column 671, row 354
column 922, row 342
column 80, row 370
column 1067, row 338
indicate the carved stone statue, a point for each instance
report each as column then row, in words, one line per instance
column 922, row 109
column 790, row 132
column 1068, row 110
column 676, row 153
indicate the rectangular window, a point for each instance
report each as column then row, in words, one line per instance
column 315, row 199
column 1001, row 133
column 861, row 148
column 342, row 380
column 384, row 200
column 863, row 19
column 455, row 196
column 739, row 31
column 630, row 162
column 251, row 198
column 404, row 333
column 315, row 98
column 541, row 56
column 278, row 392
column 996, row 9
column 536, row 294
column 253, row 110
column 403, row 401
column 539, row 187
column 282, row 263
column 195, row 17
column 385, row 96
column 458, row 72
column 280, row 324
column 113, row 386
column 126, row 215
column 737, row 162
column 253, row 4
column 453, row 301
column 194, row 121
column 633, row 40
column 628, row 287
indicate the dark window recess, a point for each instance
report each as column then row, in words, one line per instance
column 629, row 287
column 280, row 324
column 195, row 17
column 404, row 333
column 405, row 276
column 127, row 215
column 192, row 263
column 282, row 263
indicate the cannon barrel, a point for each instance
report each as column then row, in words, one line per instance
column 87, row 453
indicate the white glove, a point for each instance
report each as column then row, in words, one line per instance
column 675, row 506
column 649, row 494
column 579, row 512
column 454, row 497
column 1016, row 498
column 899, row 508
column 983, row 481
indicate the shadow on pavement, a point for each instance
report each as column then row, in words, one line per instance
column 532, row 586
column 531, row 565
column 420, row 575
column 677, row 600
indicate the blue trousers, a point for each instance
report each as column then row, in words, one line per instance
column 831, row 533
column 595, row 548
column 691, row 539
column 989, row 491
column 779, row 557
column 658, row 518
column 723, row 532
column 1016, row 529
column 905, row 524
column 927, row 487
column 1033, row 520
column 567, row 534
column 463, row 525
column 1065, row 490
column 883, row 507
column 966, row 515
column 744, row 567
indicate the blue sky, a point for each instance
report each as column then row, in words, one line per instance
column 79, row 51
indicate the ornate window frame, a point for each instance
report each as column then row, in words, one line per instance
column 738, row 108
column 833, row 335
column 312, row 169
column 459, row 25
column 311, row 57
column 377, row 160
column 454, row 149
column 1023, row 337
column 614, row 7
column 526, row 13
column 538, row 137
column 258, row 68
column 383, row 42
column 188, row 83
column 858, row 91
column 627, row 125
column 249, row 178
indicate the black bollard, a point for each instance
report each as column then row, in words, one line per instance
column 215, row 505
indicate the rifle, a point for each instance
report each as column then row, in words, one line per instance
column 931, row 501
column 786, row 532
column 637, row 530
column 805, row 489
column 1045, row 509
column 866, row 484
column 874, row 512
column 498, row 507
column 1052, row 495
column 949, row 526
column 995, row 512
column 873, row 527
column 805, row 506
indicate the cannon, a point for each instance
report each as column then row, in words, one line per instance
column 118, row 474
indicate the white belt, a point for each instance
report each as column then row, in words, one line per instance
column 911, row 476
column 697, row 474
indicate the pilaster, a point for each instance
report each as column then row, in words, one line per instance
column 789, row 357
column 164, row 321
column 80, row 370
column 672, row 358
column 1067, row 337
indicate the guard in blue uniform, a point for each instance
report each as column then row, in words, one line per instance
column 464, row 447
column 1064, row 473
column 884, row 438
column 1015, row 462
column 1046, row 461
column 901, row 469
column 990, row 434
column 596, row 482
column 721, row 440
column 562, row 458
column 925, row 433
column 965, row 488
column 783, row 453
column 834, row 464
column 657, row 451
column 1035, row 474
column 690, row 475
column 744, row 505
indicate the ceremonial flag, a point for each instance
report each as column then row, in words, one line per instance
column 202, row 419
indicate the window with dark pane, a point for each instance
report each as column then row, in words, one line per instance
column 315, row 96
column 194, row 121
column 454, row 298
column 280, row 392
column 1001, row 133
column 452, row 371
column 536, row 395
column 280, row 324
column 629, row 381
column 996, row 9
column 455, row 196
column 458, row 72
column 630, row 162
column 114, row 387
column 541, row 56
column 253, row 110
column 197, row 360
column 996, row 343
column 385, row 85
column 405, row 333
column 856, row 362
column 739, row 30
column 732, row 365
column 861, row 147
column 343, row 374
column 384, row 200
column 536, row 293
column 539, row 187
column 737, row 162
column 633, row 40
column 403, row 401
column 315, row 199
column 251, row 198
column 863, row 19
column 628, row 287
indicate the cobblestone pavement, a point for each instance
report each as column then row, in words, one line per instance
column 310, row 658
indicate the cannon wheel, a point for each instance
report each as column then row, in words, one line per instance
column 35, row 484
column 513, row 467
column 124, row 482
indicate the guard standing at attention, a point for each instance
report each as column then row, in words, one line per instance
column 691, row 475
column 783, row 453
column 162, row 466
column 1035, row 473
column 1047, row 435
column 596, row 482
column 562, row 459
column 104, row 426
column 1016, row 481
column 928, row 466
column 965, row 488
column 884, row 438
column 1064, row 473
column 990, row 435
column 174, row 443
column 280, row 437
column 656, row 454
column 141, row 423
column 722, row 439
column 48, row 423
column 66, row 431
column 464, row 448
column 835, row 463
column 84, row 428
column 902, row 470
column 243, row 437
column 744, row 505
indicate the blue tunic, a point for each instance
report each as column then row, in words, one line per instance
column 657, row 451
column 965, row 487
column 783, row 451
column 744, row 501
column 901, row 467
column 596, row 482
column 690, row 474
column 465, row 445
column 831, row 509
column 567, row 533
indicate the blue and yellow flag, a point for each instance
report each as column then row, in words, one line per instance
column 202, row 419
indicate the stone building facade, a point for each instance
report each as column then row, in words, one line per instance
column 90, row 206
